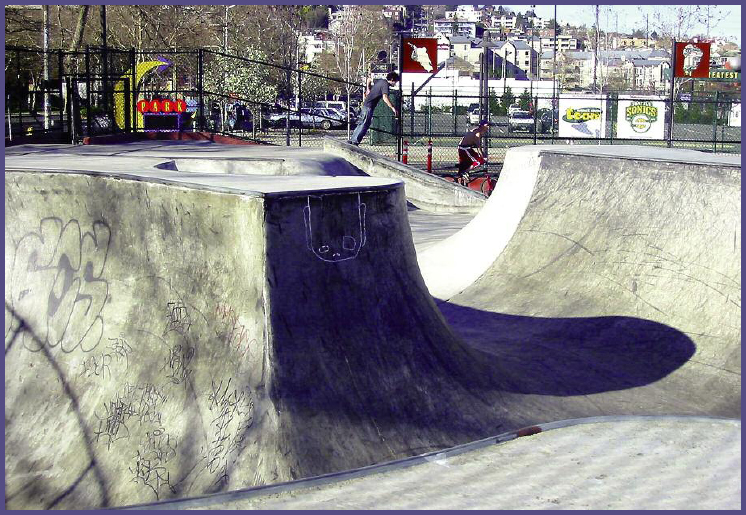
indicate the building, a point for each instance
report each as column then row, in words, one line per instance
column 614, row 69
column 465, row 13
column 455, row 27
column 563, row 42
column 313, row 44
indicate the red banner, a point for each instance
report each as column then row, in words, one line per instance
column 419, row 55
column 692, row 60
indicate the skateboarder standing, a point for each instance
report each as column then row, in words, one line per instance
column 379, row 90
column 470, row 151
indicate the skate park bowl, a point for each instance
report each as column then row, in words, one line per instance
column 175, row 332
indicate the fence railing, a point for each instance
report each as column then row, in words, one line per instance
column 98, row 91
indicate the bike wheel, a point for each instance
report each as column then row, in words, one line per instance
column 488, row 184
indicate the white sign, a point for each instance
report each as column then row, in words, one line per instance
column 641, row 118
column 734, row 120
column 581, row 117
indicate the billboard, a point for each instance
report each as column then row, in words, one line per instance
column 419, row 55
column 582, row 117
column 641, row 118
column 692, row 60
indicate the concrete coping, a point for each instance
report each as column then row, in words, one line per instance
column 423, row 189
column 247, row 185
column 203, row 502
column 644, row 153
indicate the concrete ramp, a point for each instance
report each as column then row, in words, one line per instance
column 590, row 267
column 174, row 334
column 168, row 339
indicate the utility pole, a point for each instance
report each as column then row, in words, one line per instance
column 554, row 67
column 45, row 44
column 105, row 60
column 595, row 52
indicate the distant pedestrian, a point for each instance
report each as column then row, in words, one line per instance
column 470, row 151
column 379, row 90
column 31, row 96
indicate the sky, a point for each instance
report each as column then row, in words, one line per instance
column 631, row 17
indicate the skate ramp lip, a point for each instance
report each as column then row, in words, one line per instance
column 452, row 265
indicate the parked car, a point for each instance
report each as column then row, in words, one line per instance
column 334, row 104
column 327, row 118
column 473, row 112
column 309, row 117
column 520, row 121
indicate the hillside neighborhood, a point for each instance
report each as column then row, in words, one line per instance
column 524, row 46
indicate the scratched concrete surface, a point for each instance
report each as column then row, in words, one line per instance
column 203, row 332
column 607, row 463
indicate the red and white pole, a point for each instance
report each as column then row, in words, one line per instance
column 430, row 155
column 405, row 152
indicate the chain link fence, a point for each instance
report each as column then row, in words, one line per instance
column 101, row 91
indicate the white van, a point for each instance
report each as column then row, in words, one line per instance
column 338, row 105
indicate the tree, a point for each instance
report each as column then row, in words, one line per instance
column 245, row 80
column 524, row 101
column 507, row 98
column 358, row 36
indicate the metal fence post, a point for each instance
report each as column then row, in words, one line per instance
column 300, row 101
column 614, row 98
column 127, row 107
column 200, row 88
column 88, row 90
column 430, row 113
column 287, row 109
column 715, row 123
column 411, row 112
column 63, row 92
column 486, row 144
column 19, row 101
column 673, row 94
column 455, row 112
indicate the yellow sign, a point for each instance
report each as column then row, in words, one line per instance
column 724, row 74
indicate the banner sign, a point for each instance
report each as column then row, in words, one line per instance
column 692, row 60
column 581, row 117
column 419, row 55
column 641, row 118
column 161, row 106
column 721, row 74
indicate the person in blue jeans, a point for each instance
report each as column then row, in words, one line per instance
column 379, row 90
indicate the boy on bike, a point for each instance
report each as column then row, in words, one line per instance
column 469, row 151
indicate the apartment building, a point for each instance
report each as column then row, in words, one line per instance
column 313, row 44
column 632, row 69
column 465, row 13
column 456, row 27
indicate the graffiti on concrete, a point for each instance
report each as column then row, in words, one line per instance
column 233, row 332
column 335, row 231
column 113, row 423
column 56, row 284
column 120, row 349
column 177, row 363
column 178, row 318
column 97, row 365
column 156, row 449
column 233, row 414
column 139, row 404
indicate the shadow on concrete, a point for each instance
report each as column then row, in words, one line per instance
column 37, row 489
column 572, row 356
